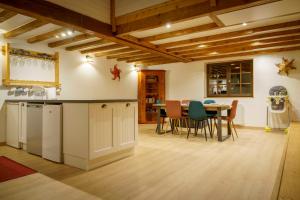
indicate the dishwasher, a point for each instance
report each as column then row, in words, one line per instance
column 34, row 128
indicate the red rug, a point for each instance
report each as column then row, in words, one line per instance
column 10, row 169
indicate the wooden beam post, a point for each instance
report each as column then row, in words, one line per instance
column 113, row 15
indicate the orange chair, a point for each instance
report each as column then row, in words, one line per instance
column 231, row 117
column 173, row 109
column 185, row 102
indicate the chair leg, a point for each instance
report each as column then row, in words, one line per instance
column 195, row 127
column 210, row 129
column 162, row 125
column 203, row 122
column 189, row 129
column 230, row 126
column 186, row 123
column 181, row 123
column 234, row 129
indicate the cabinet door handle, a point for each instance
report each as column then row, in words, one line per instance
column 127, row 104
column 103, row 106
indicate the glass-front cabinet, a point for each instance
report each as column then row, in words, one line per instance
column 230, row 79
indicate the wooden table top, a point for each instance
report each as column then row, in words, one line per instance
column 210, row 107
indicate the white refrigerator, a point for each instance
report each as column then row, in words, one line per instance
column 52, row 133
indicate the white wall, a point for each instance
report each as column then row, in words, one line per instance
column 79, row 80
column 188, row 81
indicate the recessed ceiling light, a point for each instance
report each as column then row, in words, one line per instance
column 202, row 45
column 63, row 34
column 214, row 53
column 70, row 32
column 168, row 25
column 57, row 36
column 244, row 24
column 255, row 43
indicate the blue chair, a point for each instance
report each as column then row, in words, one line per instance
column 198, row 114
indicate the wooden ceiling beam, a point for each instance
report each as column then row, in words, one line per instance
column 53, row 13
column 156, row 60
column 239, row 45
column 186, row 31
column 100, row 49
column 113, row 15
column 252, row 38
column 87, row 45
column 155, row 10
column 150, row 58
column 187, row 13
column 138, row 57
column 216, row 19
column 25, row 28
column 45, row 36
column 246, row 48
column 6, row 14
column 128, row 55
column 224, row 36
column 138, row 41
column 115, row 52
column 249, row 53
column 157, row 63
column 70, row 40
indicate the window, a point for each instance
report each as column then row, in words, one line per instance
column 230, row 79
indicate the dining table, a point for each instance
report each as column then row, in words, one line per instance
column 208, row 107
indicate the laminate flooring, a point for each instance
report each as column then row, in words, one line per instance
column 171, row 167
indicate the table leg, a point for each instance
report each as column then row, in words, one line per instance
column 219, row 131
column 228, row 123
column 158, row 121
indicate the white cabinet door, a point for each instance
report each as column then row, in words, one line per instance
column 100, row 129
column 23, row 122
column 125, row 124
column 12, row 124
column 52, row 134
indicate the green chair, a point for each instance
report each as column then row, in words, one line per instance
column 211, row 114
column 198, row 114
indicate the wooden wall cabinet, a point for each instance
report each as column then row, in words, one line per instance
column 151, row 88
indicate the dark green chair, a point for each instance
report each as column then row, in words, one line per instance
column 198, row 114
column 211, row 114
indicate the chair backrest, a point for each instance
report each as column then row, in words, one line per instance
column 173, row 109
column 233, row 109
column 185, row 102
column 197, row 111
column 209, row 101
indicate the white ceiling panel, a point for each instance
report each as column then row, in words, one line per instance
column 14, row 22
column 174, row 27
column 232, row 28
column 43, row 29
column 266, row 11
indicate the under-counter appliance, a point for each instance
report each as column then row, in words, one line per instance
column 34, row 128
column 52, row 132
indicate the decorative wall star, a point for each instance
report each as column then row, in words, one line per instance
column 285, row 66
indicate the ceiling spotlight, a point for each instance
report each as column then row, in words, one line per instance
column 202, row 46
column 57, row 36
column 168, row 25
column 244, row 24
column 214, row 53
column 256, row 43
column 70, row 32
column 63, row 34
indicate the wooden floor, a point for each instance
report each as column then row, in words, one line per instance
column 172, row 167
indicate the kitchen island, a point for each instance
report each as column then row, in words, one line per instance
column 94, row 132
